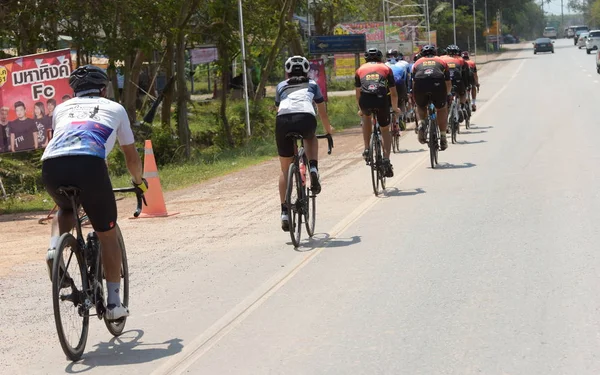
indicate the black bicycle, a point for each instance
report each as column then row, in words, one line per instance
column 433, row 134
column 375, row 157
column 77, row 288
column 299, row 197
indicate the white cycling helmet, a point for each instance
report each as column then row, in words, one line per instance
column 297, row 64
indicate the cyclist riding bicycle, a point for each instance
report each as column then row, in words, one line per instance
column 474, row 81
column 85, row 130
column 431, row 83
column 295, row 114
column 401, row 74
column 459, row 74
column 372, row 82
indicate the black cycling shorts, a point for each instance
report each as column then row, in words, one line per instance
column 370, row 104
column 427, row 89
column 90, row 175
column 461, row 89
column 304, row 124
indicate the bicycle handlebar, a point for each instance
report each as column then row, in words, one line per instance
column 140, row 198
column 329, row 142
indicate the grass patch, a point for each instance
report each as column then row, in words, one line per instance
column 26, row 203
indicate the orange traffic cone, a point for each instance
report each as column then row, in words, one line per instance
column 154, row 196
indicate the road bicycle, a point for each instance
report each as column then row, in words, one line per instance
column 375, row 157
column 433, row 134
column 79, row 288
column 299, row 198
column 397, row 123
column 453, row 115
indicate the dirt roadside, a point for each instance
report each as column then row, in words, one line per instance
column 220, row 206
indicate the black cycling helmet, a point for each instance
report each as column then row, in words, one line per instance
column 416, row 57
column 88, row 77
column 400, row 56
column 465, row 55
column 428, row 50
column 453, row 50
column 392, row 53
column 373, row 54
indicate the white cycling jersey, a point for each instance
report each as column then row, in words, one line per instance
column 88, row 125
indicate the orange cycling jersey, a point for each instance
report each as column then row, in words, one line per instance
column 374, row 78
column 456, row 65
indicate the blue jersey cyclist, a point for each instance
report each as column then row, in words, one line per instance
column 294, row 99
column 395, row 61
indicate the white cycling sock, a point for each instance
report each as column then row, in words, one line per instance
column 474, row 101
column 113, row 293
column 54, row 242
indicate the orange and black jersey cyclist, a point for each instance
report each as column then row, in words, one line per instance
column 430, row 75
column 459, row 72
column 374, row 79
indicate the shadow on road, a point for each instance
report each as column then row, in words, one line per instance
column 475, row 126
column 395, row 192
column 126, row 349
column 470, row 143
column 473, row 132
column 325, row 240
column 411, row 151
column 456, row 166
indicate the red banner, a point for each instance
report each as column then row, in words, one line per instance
column 317, row 73
column 30, row 88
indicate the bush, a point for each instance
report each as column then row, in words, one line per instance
column 340, row 85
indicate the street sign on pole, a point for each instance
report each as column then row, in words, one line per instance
column 325, row 44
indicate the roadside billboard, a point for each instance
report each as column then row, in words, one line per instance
column 30, row 88
column 317, row 73
column 345, row 65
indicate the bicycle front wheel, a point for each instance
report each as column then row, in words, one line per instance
column 373, row 164
column 69, row 284
column 293, row 197
column 116, row 327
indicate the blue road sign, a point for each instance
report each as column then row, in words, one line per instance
column 323, row 44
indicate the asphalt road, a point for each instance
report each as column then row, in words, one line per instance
column 487, row 265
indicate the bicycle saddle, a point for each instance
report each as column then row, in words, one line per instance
column 294, row 135
column 68, row 190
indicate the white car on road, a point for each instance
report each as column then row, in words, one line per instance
column 581, row 40
column 592, row 41
column 550, row 32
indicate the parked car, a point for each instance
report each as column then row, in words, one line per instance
column 543, row 45
column 550, row 32
column 593, row 41
column 598, row 61
column 581, row 38
column 509, row 39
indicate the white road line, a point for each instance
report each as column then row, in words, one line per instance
column 193, row 351
column 595, row 81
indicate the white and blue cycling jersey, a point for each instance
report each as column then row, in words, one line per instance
column 297, row 97
column 88, row 126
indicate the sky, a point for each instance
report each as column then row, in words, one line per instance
column 554, row 7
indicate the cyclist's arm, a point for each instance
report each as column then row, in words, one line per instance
column 127, row 143
column 321, row 107
column 357, row 85
column 392, row 89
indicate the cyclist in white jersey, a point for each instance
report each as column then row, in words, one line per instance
column 85, row 130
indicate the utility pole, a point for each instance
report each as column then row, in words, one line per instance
column 487, row 29
column 474, row 33
column 384, row 27
column 454, row 20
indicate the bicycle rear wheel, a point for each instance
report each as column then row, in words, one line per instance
column 373, row 164
column 379, row 162
column 116, row 327
column 309, row 205
column 433, row 143
column 293, row 197
column 454, row 128
column 69, row 283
